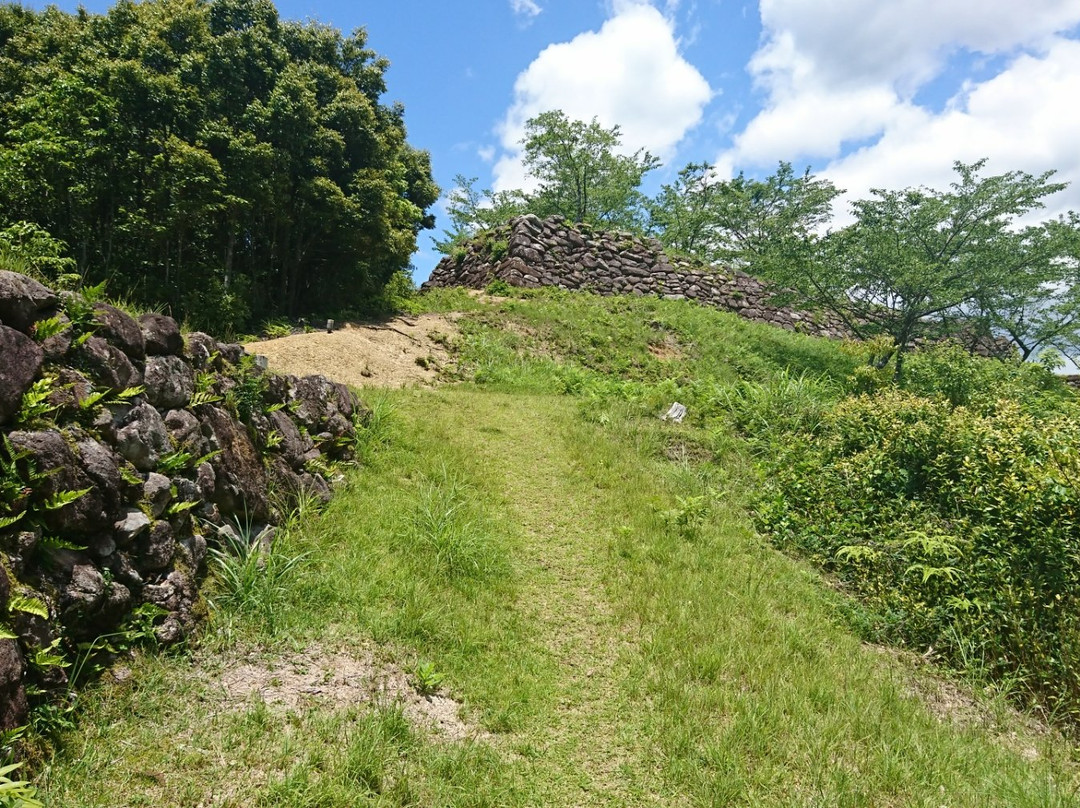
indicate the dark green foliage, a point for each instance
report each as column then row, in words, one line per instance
column 207, row 157
column 953, row 512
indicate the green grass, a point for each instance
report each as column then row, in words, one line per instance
column 604, row 613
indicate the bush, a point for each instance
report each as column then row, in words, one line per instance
column 957, row 526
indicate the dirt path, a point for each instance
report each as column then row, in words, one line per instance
column 396, row 353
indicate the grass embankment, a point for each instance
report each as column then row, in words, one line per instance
column 596, row 599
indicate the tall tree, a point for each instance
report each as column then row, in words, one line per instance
column 761, row 224
column 916, row 257
column 581, row 173
column 205, row 155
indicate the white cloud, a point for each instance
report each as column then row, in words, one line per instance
column 845, row 73
column 486, row 153
column 529, row 9
column 1026, row 118
column 628, row 73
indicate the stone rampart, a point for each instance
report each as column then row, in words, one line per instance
column 533, row 252
column 125, row 449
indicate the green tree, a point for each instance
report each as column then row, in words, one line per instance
column 918, row 260
column 207, row 156
column 764, row 225
column 580, row 173
column 471, row 210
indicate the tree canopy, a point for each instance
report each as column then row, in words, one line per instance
column 209, row 156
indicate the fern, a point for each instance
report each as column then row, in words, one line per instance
column 50, row 543
column 8, row 521
column 34, row 606
column 35, row 403
column 7, row 634
column 61, row 499
column 203, row 397
column 49, row 327
column 127, row 394
column 181, row 507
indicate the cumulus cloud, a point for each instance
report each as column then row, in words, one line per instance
column 1025, row 118
column 629, row 73
column 527, row 9
column 846, row 74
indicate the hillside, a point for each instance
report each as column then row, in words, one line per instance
column 535, row 592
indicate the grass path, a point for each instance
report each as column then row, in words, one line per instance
column 587, row 751
column 606, row 615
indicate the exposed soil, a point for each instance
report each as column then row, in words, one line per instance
column 400, row 352
column 316, row 677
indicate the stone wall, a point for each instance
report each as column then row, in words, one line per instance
column 531, row 252
column 126, row 448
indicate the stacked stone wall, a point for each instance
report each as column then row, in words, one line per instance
column 532, row 252
column 127, row 448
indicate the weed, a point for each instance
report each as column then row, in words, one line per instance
column 428, row 678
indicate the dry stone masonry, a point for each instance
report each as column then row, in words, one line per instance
column 533, row 252
column 126, row 448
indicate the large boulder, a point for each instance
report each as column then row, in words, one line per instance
column 143, row 438
column 108, row 365
column 21, row 361
column 240, row 487
column 120, row 329
column 169, row 380
column 161, row 335
column 23, row 300
column 49, row 452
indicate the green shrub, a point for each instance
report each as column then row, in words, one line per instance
column 957, row 527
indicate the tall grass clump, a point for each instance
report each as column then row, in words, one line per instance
column 449, row 535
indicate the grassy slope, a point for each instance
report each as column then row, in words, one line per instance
column 605, row 612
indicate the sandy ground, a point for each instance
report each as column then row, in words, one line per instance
column 396, row 353
column 340, row 680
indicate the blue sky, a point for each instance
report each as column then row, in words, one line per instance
column 870, row 93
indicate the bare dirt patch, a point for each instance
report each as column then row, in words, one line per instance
column 319, row 678
column 400, row 352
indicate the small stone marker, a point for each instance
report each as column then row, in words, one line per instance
column 676, row 413
column 262, row 362
column 329, row 326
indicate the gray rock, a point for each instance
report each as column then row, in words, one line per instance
column 156, row 548
column 83, row 594
column 294, row 444
column 206, row 480
column 23, row 300
column 143, row 439
column 186, row 431
column 13, row 706
column 49, row 452
column 157, row 491
column 230, row 352
column 169, row 380
column 57, row 346
column 108, row 365
column 120, row 330
column 240, row 475
column 103, row 467
column 200, row 348
column 131, row 526
column 22, row 358
column 161, row 335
